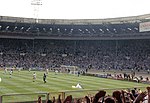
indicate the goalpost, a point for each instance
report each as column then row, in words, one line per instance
column 70, row 69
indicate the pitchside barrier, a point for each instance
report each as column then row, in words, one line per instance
column 22, row 98
column 33, row 97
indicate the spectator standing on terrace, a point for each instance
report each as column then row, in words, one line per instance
column 49, row 101
column 39, row 100
column 147, row 79
column 59, row 99
column 68, row 99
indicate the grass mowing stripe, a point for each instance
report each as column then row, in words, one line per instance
column 105, row 81
column 17, row 87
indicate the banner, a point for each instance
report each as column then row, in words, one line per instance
column 143, row 27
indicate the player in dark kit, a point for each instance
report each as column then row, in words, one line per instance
column 44, row 78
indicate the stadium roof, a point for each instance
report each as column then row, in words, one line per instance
column 131, row 19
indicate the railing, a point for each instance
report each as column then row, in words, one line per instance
column 20, row 98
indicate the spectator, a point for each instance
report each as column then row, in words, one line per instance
column 68, row 99
column 49, row 101
column 109, row 100
column 39, row 100
column 98, row 96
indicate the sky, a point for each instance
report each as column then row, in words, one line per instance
column 74, row 9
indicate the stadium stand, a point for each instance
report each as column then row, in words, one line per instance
column 115, row 54
column 105, row 44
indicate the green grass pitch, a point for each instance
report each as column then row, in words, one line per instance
column 22, row 83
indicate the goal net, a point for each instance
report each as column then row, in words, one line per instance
column 69, row 69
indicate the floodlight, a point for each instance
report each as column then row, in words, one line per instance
column 129, row 28
column 22, row 28
column 7, row 28
column 15, row 28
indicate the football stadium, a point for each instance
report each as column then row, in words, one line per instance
column 75, row 60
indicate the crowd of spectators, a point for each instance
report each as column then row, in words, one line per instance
column 107, row 54
column 118, row 96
